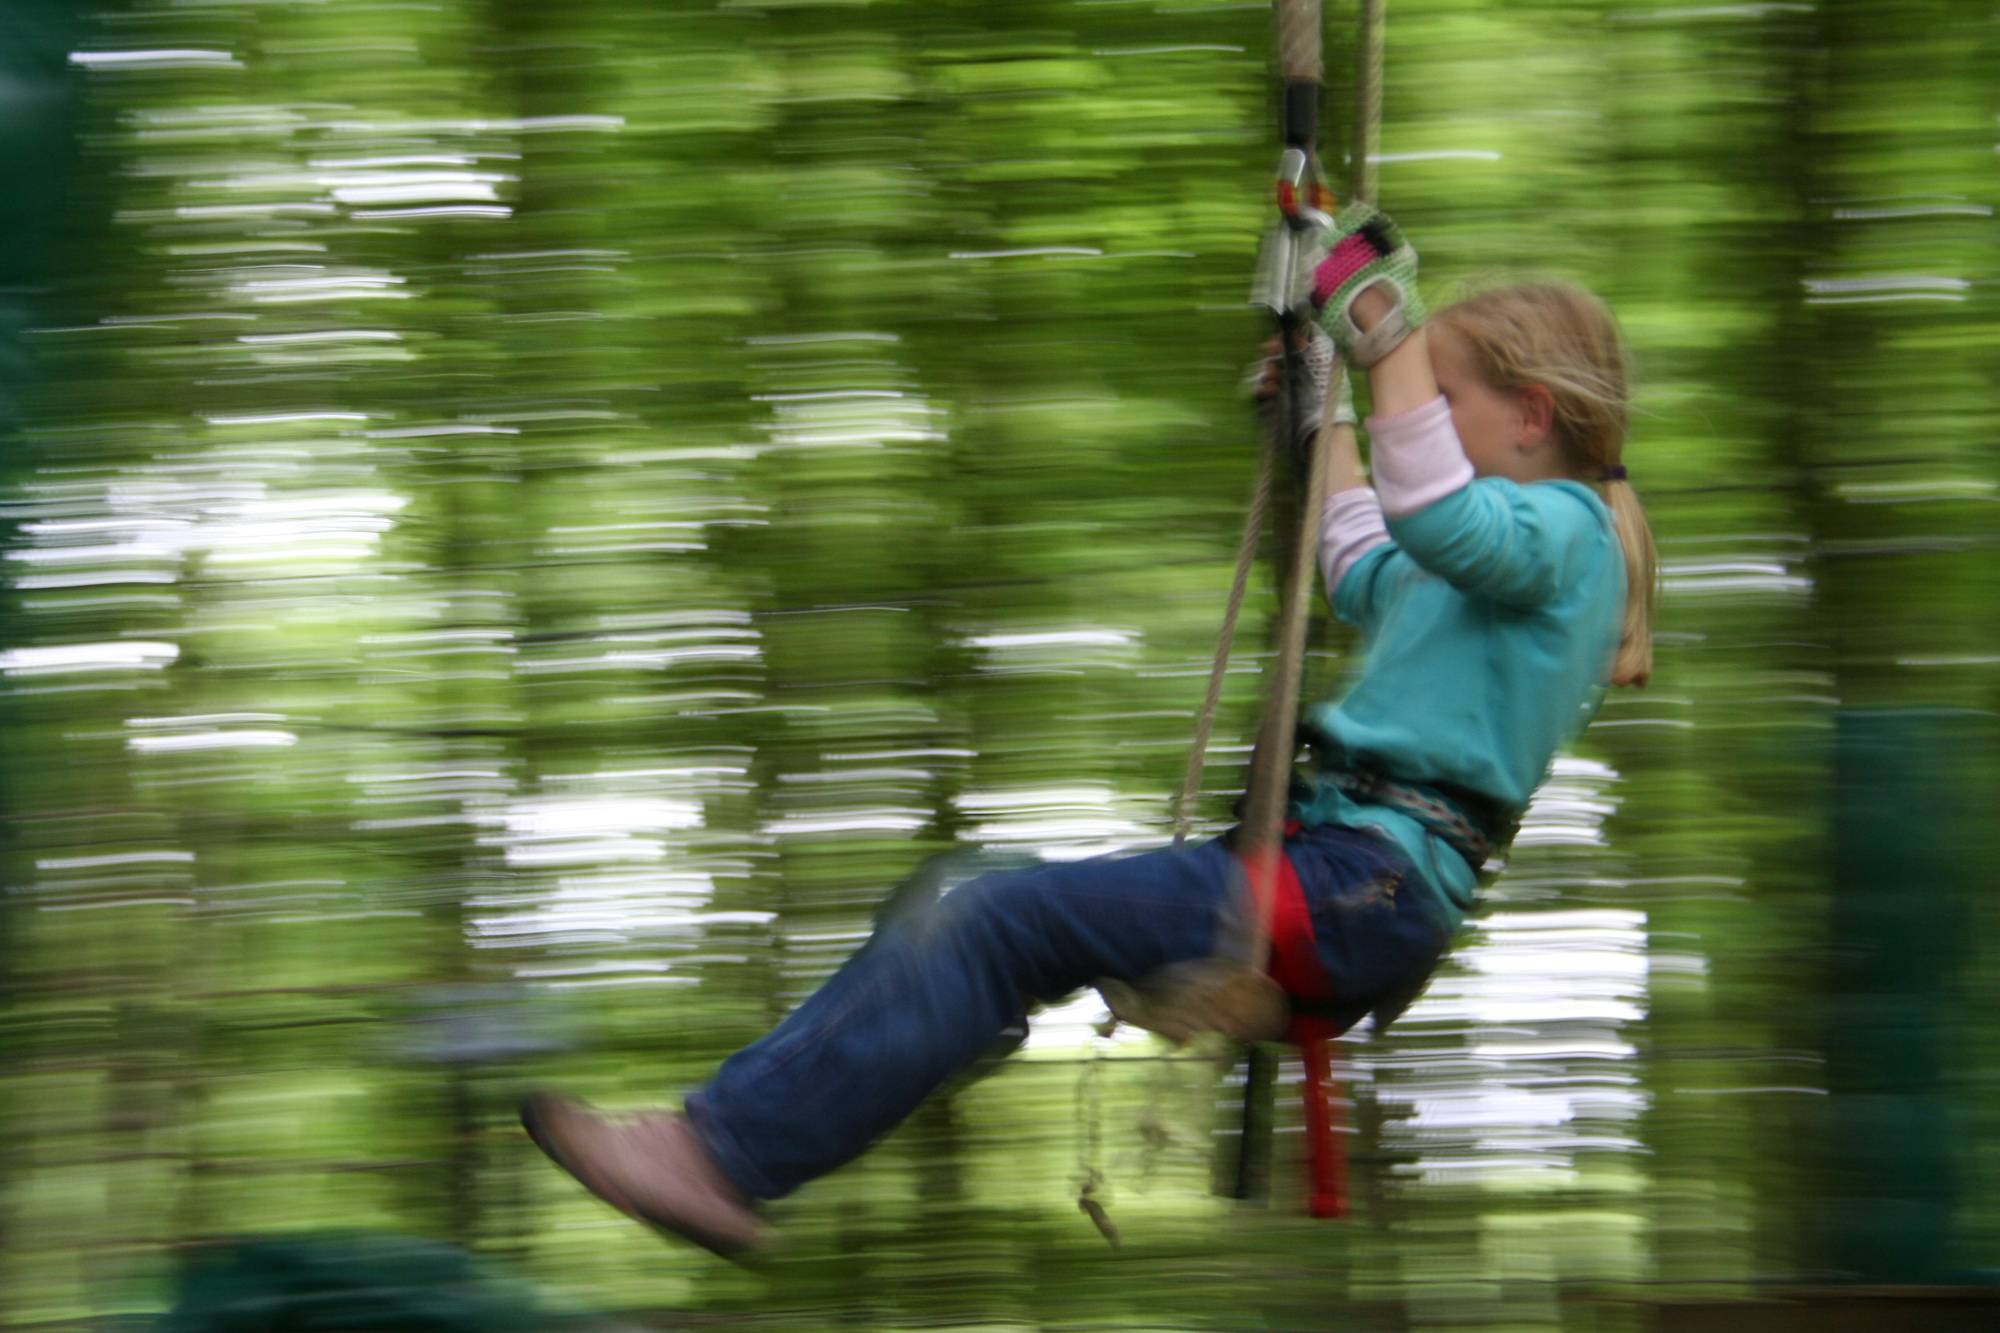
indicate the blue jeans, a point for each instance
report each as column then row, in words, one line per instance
column 931, row 990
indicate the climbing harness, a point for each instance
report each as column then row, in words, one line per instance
column 1468, row 824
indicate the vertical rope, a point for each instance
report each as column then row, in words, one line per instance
column 1299, row 59
column 1246, row 556
column 1299, row 55
column 1270, row 776
column 1301, row 63
column 1370, row 51
column 1270, row 781
column 1301, row 66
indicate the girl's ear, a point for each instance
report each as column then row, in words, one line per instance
column 1537, row 407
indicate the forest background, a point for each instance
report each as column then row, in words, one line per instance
column 523, row 522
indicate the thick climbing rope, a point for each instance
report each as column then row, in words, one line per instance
column 1232, row 992
column 1299, row 44
column 1367, row 146
column 1249, row 988
column 1301, row 63
column 1301, row 67
column 1235, row 993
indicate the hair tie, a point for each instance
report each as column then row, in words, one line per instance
column 1615, row 472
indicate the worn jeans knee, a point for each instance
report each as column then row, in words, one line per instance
column 931, row 990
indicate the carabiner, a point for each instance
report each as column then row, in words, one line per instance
column 1302, row 198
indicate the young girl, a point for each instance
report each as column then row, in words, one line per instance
column 1501, row 572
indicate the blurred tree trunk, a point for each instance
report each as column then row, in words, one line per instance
column 1895, row 131
column 41, row 229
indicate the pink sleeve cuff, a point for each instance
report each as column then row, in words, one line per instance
column 1416, row 457
column 1350, row 527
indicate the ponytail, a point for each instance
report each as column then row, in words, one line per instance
column 1633, row 664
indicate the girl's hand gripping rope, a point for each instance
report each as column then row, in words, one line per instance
column 1315, row 359
column 1367, row 252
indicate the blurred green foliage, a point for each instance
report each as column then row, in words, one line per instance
column 524, row 521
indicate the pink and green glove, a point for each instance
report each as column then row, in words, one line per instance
column 1366, row 249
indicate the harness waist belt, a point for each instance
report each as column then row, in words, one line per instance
column 1469, row 824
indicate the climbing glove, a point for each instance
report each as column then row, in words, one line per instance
column 1366, row 248
column 1315, row 361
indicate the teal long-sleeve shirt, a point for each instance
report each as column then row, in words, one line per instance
column 1490, row 617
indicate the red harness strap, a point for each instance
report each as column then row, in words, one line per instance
column 1295, row 966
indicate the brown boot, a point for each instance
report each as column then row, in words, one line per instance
column 649, row 1166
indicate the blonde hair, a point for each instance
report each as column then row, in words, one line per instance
column 1559, row 336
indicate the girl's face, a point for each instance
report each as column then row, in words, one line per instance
column 1503, row 433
